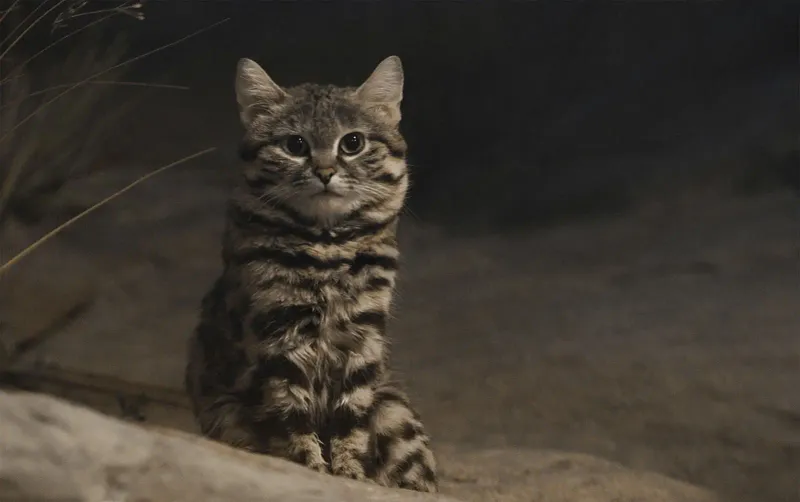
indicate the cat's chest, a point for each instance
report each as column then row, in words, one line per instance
column 331, row 335
column 324, row 366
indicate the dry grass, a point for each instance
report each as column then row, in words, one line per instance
column 29, row 249
column 53, row 134
column 46, row 140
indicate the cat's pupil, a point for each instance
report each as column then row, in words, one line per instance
column 352, row 143
column 296, row 145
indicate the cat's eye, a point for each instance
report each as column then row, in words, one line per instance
column 352, row 143
column 296, row 145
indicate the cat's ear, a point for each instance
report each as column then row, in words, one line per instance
column 255, row 91
column 383, row 90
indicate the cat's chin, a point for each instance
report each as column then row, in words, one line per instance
column 328, row 208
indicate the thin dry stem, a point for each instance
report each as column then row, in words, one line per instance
column 22, row 23
column 52, row 147
column 103, row 72
column 34, row 17
column 113, row 10
column 129, row 8
column 22, row 254
column 10, row 9
column 14, row 73
column 99, row 82
column 30, row 26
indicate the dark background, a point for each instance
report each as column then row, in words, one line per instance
column 516, row 112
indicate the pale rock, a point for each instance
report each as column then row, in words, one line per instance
column 52, row 450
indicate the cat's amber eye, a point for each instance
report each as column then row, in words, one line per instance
column 352, row 143
column 296, row 146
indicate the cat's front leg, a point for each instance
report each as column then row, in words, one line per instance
column 283, row 412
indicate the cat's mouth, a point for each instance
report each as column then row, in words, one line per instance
column 327, row 192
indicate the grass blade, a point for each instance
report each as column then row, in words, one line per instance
column 22, row 254
column 51, row 45
column 100, row 82
column 9, row 10
column 103, row 72
column 30, row 26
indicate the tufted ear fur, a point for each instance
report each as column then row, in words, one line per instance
column 254, row 90
column 383, row 90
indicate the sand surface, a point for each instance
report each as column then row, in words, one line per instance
column 666, row 340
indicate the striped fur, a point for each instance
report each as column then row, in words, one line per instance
column 290, row 356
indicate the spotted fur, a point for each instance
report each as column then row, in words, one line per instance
column 290, row 356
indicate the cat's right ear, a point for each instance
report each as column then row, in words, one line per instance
column 255, row 91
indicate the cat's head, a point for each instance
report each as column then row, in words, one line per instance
column 326, row 152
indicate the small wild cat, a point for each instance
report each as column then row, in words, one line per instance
column 290, row 356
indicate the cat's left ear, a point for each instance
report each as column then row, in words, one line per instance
column 383, row 90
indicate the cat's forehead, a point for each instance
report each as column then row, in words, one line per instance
column 319, row 93
column 323, row 106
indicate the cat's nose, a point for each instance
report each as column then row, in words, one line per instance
column 325, row 174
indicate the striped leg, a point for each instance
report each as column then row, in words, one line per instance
column 350, row 444
column 403, row 455
column 304, row 445
column 350, row 434
column 280, row 398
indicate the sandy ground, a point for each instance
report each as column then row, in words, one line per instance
column 666, row 340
